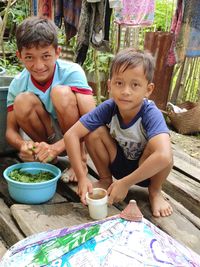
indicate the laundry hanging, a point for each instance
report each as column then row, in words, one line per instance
column 43, row 8
column 69, row 11
column 89, row 18
column 94, row 26
column 186, row 30
column 135, row 13
column 60, row 10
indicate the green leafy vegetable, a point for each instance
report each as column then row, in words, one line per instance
column 26, row 177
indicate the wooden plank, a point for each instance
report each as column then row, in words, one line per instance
column 182, row 188
column 57, row 198
column 4, row 163
column 185, row 212
column 186, row 164
column 38, row 218
column 185, row 190
column 8, row 230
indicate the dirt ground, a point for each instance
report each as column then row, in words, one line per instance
column 188, row 143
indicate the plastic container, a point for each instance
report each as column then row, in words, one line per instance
column 4, row 84
column 97, row 203
column 32, row 193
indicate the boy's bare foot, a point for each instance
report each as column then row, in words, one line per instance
column 159, row 205
column 68, row 175
column 103, row 183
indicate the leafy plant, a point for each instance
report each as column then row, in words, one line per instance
column 18, row 12
column 163, row 14
column 11, row 67
column 103, row 61
column 26, row 177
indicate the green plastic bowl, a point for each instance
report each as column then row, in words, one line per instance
column 32, row 193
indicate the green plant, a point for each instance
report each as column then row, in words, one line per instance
column 97, row 64
column 12, row 68
column 163, row 14
column 18, row 12
column 12, row 14
column 102, row 58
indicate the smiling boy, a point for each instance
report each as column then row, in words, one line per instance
column 47, row 97
column 126, row 136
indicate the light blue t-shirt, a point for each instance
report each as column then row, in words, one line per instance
column 132, row 137
column 66, row 73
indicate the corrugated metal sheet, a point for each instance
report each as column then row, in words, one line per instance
column 158, row 43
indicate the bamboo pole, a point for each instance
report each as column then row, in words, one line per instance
column 178, row 81
column 191, row 75
column 187, row 79
column 182, row 81
column 198, row 86
column 193, row 88
column 97, row 75
column 3, row 27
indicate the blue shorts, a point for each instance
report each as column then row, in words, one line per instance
column 121, row 167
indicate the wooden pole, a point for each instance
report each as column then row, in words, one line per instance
column 97, row 75
column 3, row 27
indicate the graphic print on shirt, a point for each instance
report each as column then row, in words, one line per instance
column 130, row 139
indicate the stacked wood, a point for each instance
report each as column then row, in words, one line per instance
column 64, row 210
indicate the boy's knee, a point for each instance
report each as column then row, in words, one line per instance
column 96, row 135
column 63, row 97
column 25, row 103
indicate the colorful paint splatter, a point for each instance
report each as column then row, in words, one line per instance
column 111, row 242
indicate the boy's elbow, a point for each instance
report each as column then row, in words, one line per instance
column 70, row 137
column 67, row 136
column 166, row 159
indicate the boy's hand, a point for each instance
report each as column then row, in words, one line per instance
column 84, row 186
column 45, row 152
column 117, row 191
column 26, row 152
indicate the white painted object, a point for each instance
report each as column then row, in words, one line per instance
column 97, row 203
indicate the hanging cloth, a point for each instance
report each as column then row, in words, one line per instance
column 58, row 12
column 34, row 7
column 69, row 10
column 71, row 13
column 186, row 30
column 42, row 8
column 94, row 26
column 45, row 8
column 135, row 13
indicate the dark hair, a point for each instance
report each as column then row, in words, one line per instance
column 131, row 58
column 35, row 31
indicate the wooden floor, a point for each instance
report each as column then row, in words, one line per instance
column 182, row 188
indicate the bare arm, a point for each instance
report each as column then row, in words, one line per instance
column 157, row 157
column 13, row 137
column 72, row 140
column 45, row 152
column 29, row 150
column 12, row 131
column 160, row 156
